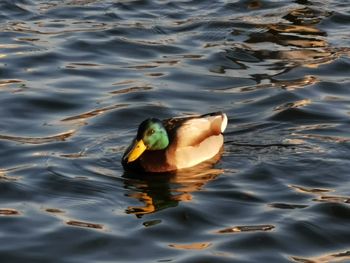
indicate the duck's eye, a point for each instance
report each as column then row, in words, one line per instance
column 151, row 132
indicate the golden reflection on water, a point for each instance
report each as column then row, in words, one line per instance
column 239, row 229
column 324, row 138
column 93, row 113
column 320, row 195
column 39, row 140
column 8, row 212
column 309, row 190
column 84, row 224
column 192, row 246
column 301, row 29
column 295, row 104
column 54, row 210
column 50, row 27
column 80, row 65
column 132, row 89
column 318, row 126
column 9, row 46
column 156, row 193
column 6, row 82
column 333, row 199
column 72, row 222
column 335, row 257
column 294, row 41
column 289, row 85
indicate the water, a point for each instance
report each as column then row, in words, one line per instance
column 78, row 76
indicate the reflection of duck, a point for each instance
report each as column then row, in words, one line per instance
column 176, row 143
column 154, row 194
column 157, row 192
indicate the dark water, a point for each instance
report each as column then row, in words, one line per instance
column 78, row 76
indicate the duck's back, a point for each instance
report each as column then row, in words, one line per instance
column 196, row 139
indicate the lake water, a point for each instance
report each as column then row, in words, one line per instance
column 78, row 76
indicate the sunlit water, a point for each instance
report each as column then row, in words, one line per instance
column 78, row 76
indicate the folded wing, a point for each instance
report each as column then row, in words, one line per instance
column 198, row 139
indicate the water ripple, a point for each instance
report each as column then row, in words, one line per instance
column 40, row 140
column 78, row 76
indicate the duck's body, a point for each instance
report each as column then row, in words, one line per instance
column 176, row 143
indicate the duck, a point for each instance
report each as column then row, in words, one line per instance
column 174, row 144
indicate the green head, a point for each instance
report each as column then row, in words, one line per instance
column 151, row 136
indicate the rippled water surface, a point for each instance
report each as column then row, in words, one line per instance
column 78, row 76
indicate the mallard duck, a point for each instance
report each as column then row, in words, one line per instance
column 177, row 143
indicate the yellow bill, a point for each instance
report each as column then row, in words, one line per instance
column 136, row 151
